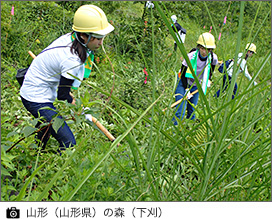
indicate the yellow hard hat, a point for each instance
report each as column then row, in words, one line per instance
column 206, row 40
column 251, row 47
column 91, row 19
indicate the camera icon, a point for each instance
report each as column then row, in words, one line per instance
column 13, row 212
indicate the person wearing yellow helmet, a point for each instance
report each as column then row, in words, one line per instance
column 53, row 72
column 242, row 63
column 203, row 61
column 90, row 22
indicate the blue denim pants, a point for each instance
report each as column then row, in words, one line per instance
column 64, row 135
column 179, row 93
column 226, row 83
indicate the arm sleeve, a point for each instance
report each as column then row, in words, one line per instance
column 64, row 89
column 244, row 67
column 183, row 79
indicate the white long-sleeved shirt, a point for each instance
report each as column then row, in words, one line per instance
column 43, row 76
column 243, row 67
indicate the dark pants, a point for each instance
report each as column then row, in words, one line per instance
column 226, row 83
column 64, row 135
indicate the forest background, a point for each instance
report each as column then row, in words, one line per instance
column 225, row 155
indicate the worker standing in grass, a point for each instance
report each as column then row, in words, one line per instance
column 49, row 75
column 242, row 63
column 203, row 61
column 179, row 30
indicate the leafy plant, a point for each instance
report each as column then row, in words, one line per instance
column 225, row 155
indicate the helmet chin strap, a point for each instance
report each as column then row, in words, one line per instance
column 84, row 44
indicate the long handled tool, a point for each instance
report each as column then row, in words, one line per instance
column 31, row 54
column 179, row 101
column 103, row 129
column 94, row 120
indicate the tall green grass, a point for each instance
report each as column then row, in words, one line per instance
column 224, row 156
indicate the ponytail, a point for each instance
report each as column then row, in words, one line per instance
column 78, row 49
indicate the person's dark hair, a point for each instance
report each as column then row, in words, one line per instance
column 246, row 56
column 78, row 49
column 198, row 46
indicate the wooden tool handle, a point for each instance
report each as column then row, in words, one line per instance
column 31, row 54
column 179, row 101
column 103, row 129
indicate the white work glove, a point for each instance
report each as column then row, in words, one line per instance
column 209, row 83
column 189, row 95
column 87, row 116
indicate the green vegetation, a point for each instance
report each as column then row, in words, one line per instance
column 225, row 155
